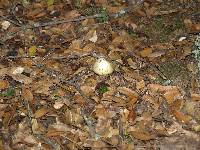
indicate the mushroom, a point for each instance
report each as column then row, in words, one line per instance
column 103, row 67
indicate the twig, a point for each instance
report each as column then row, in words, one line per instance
column 56, row 22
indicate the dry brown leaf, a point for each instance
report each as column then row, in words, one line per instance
column 71, row 14
column 89, row 47
column 156, row 54
column 161, row 131
column 6, row 119
column 75, row 45
column 140, row 85
column 118, row 40
column 72, row 117
column 189, row 107
column 114, row 55
column 40, row 112
column 145, row 52
column 58, row 104
column 78, row 99
column 4, row 84
column 127, row 91
column 91, row 36
column 195, row 97
column 23, row 134
column 88, row 90
column 100, row 111
column 53, row 133
column 4, row 71
column 151, row 11
column 160, row 88
column 177, row 104
column 195, row 28
column 27, row 94
column 151, row 100
column 36, row 13
column 42, row 86
column 22, row 78
column 141, row 135
column 132, row 64
column 35, row 126
column 172, row 95
column 132, row 115
column 132, row 95
column 180, row 116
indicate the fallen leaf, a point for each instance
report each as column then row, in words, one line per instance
column 58, row 104
column 132, row 95
column 94, row 37
column 40, row 112
column 22, row 78
column 195, row 97
column 141, row 135
column 27, row 94
column 156, row 54
column 17, row 70
column 145, row 52
column 35, row 126
column 4, row 84
column 172, row 95
column 189, row 107
column 132, row 115
column 180, row 116
column 140, row 85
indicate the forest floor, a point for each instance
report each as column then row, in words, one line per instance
column 51, row 99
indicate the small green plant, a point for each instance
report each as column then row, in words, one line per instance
column 102, row 89
column 8, row 93
column 196, row 50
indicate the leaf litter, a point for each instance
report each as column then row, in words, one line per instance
column 51, row 98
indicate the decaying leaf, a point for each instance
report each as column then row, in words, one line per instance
column 195, row 97
column 27, row 94
column 180, row 116
column 146, row 52
column 4, row 84
column 172, row 95
column 132, row 95
column 142, row 135
column 40, row 112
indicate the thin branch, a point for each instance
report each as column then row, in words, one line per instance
column 56, row 22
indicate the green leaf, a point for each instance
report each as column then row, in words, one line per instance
column 8, row 93
column 50, row 2
column 32, row 51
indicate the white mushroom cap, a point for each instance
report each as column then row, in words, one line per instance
column 103, row 67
